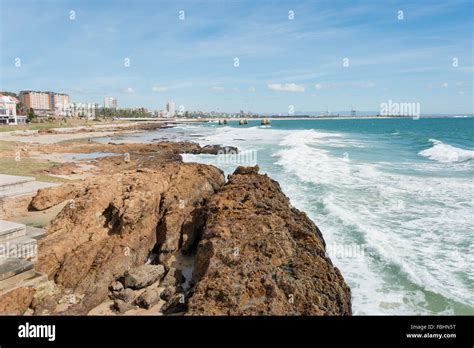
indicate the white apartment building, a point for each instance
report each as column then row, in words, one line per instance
column 110, row 103
column 82, row 110
column 171, row 108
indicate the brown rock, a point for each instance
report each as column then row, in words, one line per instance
column 113, row 226
column 51, row 196
column 258, row 256
column 126, row 295
column 176, row 304
column 172, row 278
column 143, row 276
column 167, row 293
column 122, row 306
column 116, row 286
column 148, row 298
column 17, row 301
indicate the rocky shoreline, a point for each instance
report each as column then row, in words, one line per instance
column 147, row 233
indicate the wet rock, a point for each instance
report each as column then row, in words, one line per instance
column 218, row 150
column 143, row 276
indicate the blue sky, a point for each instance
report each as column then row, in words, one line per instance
column 282, row 62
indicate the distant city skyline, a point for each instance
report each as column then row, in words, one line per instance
column 264, row 57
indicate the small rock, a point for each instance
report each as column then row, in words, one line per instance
column 143, row 276
column 126, row 295
column 148, row 298
column 122, row 306
column 247, row 170
column 172, row 278
column 176, row 304
column 168, row 293
column 116, row 286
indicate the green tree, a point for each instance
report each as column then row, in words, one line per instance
column 31, row 115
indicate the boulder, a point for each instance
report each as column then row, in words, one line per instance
column 116, row 286
column 167, row 293
column 122, row 306
column 260, row 256
column 51, row 196
column 172, row 278
column 117, row 221
column 126, row 295
column 176, row 304
column 148, row 298
column 143, row 276
column 16, row 301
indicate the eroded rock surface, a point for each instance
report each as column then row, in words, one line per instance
column 17, row 301
column 112, row 226
column 260, row 256
column 253, row 254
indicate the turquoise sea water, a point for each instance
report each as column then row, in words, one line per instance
column 394, row 199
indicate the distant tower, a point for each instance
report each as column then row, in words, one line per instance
column 170, row 107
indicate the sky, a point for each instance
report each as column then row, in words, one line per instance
column 260, row 56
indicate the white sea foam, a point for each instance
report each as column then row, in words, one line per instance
column 442, row 152
column 405, row 219
column 417, row 226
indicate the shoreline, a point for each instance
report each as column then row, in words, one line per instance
column 173, row 224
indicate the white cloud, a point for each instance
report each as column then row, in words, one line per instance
column 159, row 89
column 350, row 84
column 287, row 87
column 444, row 85
column 252, row 89
column 217, row 89
column 130, row 90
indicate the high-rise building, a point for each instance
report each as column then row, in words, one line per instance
column 171, row 109
column 38, row 101
column 45, row 101
column 58, row 100
column 110, row 103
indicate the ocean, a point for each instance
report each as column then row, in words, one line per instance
column 393, row 198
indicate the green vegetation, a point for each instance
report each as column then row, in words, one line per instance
column 28, row 167
column 31, row 115
column 110, row 113
column 55, row 123
column 36, row 224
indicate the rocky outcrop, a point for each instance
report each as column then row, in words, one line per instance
column 51, row 196
column 17, row 301
column 260, row 256
column 119, row 238
column 117, row 221
column 143, row 276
